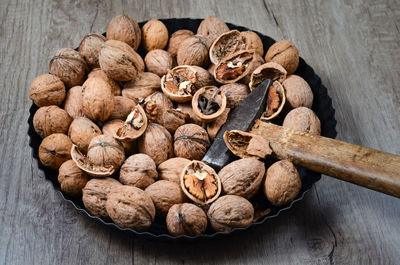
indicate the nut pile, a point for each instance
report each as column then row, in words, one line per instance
column 126, row 132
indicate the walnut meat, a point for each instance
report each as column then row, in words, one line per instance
column 298, row 92
column 159, row 62
column 211, row 28
column 303, row 119
column 191, row 141
column 193, row 51
column 154, row 35
column 124, row 28
column 186, row 219
column 172, row 168
column 284, row 53
column 176, row 39
column 73, row 102
column 138, row 170
column 51, row 119
column 122, row 107
column 54, row 150
column 230, row 211
column 282, row 183
column 81, row 131
column 115, row 88
column 46, row 90
column 72, row 180
column 104, row 150
column 90, row 47
column 235, row 93
column 142, row 86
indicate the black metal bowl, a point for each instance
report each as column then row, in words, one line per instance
column 322, row 106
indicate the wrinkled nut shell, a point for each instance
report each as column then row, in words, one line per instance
column 253, row 41
column 81, row 131
column 191, row 141
column 282, row 183
column 193, row 51
column 211, row 28
column 159, row 61
column 111, row 127
column 54, row 150
column 269, row 70
column 214, row 126
column 122, row 107
column 126, row 29
column 156, row 105
column 284, row 53
column 154, row 35
column 104, row 150
column 46, row 90
column 186, row 219
column 212, row 94
column 298, row 92
column 303, row 119
column 226, row 44
column 187, row 108
column 73, row 102
column 235, row 93
column 90, row 47
column 171, row 169
column 173, row 119
column 72, row 180
column 276, row 100
column 142, row 86
column 176, row 39
column 138, row 170
column 51, row 119
column 115, row 88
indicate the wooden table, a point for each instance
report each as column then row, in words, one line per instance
column 352, row 45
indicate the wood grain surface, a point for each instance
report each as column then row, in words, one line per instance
column 352, row 45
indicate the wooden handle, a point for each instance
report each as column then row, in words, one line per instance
column 363, row 166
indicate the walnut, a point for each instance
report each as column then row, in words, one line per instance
column 186, row 219
column 191, row 142
column 303, row 119
column 95, row 195
column 142, row 86
column 138, row 170
column 154, row 35
column 276, row 100
column 72, row 180
column 130, row 207
column 159, row 62
column 73, row 102
column 111, row 127
column 298, row 92
column 172, row 168
column 46, row 90
column 126, row 29
column 282, row 183
column 257, row 61
column 134, row 126
column 209, row 103
column 253, row 41
column 270, row 70
column 115, row 88
column 165, row 194
column 193, row 51
column 122, row 107
column 211, row 69
column 230, row 211
column 69, row 66
column 51, row 119
column 284, row 53
column 176, row 39
column 54, row 150
column 187, row 108
column 174, row 118
column 81, row 131
column 235, row 93
column 214, row 126
column 90, row 47
column 247, row 145
column 156, row 142
column 156, row 105
column 242, row 177
column 211, row 28
column 226, row 44
column 104, row 150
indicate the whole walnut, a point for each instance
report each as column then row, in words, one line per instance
column 69, row 66
column 104, row 150
column 156, row 105
column 284, row 53
column 211, row 28
column 154, row 35
column 138, row 170
column 230, row 211
column 54, row 150
column 142, row 86
column 242, row 177
column 72, row 180
column 298, row 92
column 193, row 51
column 130, row 207
column 46, row 90
column 159, row 62
column 122, row 107
column 115, row 88
column 73, row 102
column 156, row 142
column 172, row 168
column 186, row 219
column 126, row 29
column 97, row 99
column 174, row 118
column 111, row 127
column 95, row 195
column 235, row 93
column 191, row 141
column 282, row 183
column 90, row 47
column 303, row 119
column 253, row 41
column 81, row 131
column 51, row 119
column 176, row 39
column 164, row 194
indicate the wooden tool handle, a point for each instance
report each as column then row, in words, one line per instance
column 363, row 166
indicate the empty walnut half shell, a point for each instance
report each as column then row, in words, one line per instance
column 227, row 43
column 200, row 183
column 209, row 103
column 270, row 70
column 234, row 66
column 247, row 145
column 276, row 99
column 134, row 125
column 83, row 163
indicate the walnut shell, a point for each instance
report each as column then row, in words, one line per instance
column 235, row 93
column 209, row 103
column 187, row 108
column 176, row 39
column 303, row 119
column 111, row 127
column 156, row 142
column 69, row 66
column 298, row 92
column 122, row 107
column 46, row 90
column 270, row 70
column 214, row 126
column 253, row 41
column 115, row 88
column 284, row 53
column 159, row 62
column 138, row 170
column 156, row 105
column 276, row 100
column 51, row 119
column 130, row 207
column 235, row 66
column 165, row 194
column 173, row 118
column 97, row 99
column 193, row 51
column 104, row 150
column 282, row 183
column 126, row 29
column 230, row 211
column 154, row 35
column 90, row 47
column 191, row 141
column 142, row 86
column 81, row 131
column 134, row 126
column 247, row 145
column 54, row 150
column 72, row 180
column 257, row 61
column 242, row 177
column 87, row 166
column 211, row 28
column 186, row 219
column 73, row 102
column 171, row 169
column 211, row 69
column 226, row 44
column 95, row 195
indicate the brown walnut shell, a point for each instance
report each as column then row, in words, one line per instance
column 122, row 107
column 54, row 150
column 276, row 100
column 282, row 183
column 226, row 44
column 200, row 183
column 104, row 150
column 193, row 51
column 211, row 28
column 72, row 179
column 171, row 169
column 156, row 105
column 298, row 92
column 303, row 119
column 209, row 103
column 115, row 88
column 165, row 194
column 284, row 53
column 134, row 126
column 214, row 126
column 253, row 41
column 176, row 39
column 187, row 108
column 142, row 86
column 235, row 66
column 69, row 66
column 186, row 219
column 242, row 177
column 230, row 211
column 247, row 145
column 270, row 70
column 90, row 47
column 257, row 61
column 173, row 118
column 111, row 127
column 81, row 131
column 159, row 62
column 73, row 102
column 191, row 141
column 46, row 90
column 93, row 170
column 154, row 35
column 51, row 119
column 235, row 93
column 126, row 29
column 138, row 170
